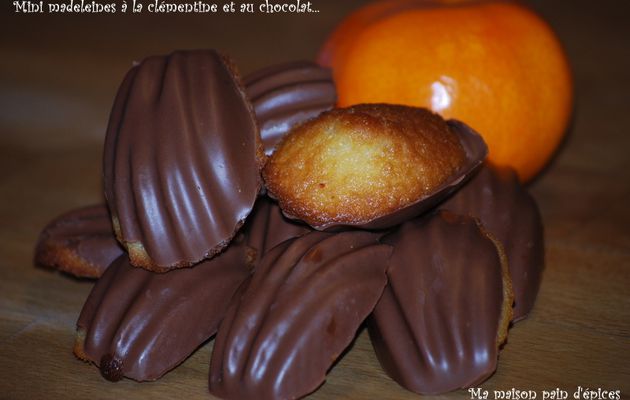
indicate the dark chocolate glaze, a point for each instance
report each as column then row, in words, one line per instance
column 476, row 151
column 182, row 159
column 510, row 213
column 436, row 327
column 141, row 324
column 80, row 242
column 287, row 94
column 266, row 227
column 302, row 308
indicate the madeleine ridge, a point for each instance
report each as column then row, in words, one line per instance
column 285, row 95
column 357, row 165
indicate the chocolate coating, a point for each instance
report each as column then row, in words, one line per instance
column 510, row 213
column 182, row 159
column 287, row 94
column 266, row 227
column 445, row 309
column 80, row 242
column 140, row 324
column 303, row 306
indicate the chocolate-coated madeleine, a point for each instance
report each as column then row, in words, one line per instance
column 141, row 324
column 266, row 227
column 370, row 166
column 510, row 213
column 80, row 242
column 288, row 94
column 447, row 305
column 182, row 159
column 301, row 309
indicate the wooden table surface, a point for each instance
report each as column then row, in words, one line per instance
column 58, row 76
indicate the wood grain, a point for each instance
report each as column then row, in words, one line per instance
column 58, row 75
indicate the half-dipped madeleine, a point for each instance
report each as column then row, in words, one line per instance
column 182, row 159
column 509, row 213
column 141, row 324
column 302, row 308
column 370, row 166
column 80, row 242
column 447, row 305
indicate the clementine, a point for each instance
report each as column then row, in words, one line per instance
column 495, row 65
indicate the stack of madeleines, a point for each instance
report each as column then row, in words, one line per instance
column 256, row 211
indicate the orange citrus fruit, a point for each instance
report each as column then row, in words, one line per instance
column 495, row 65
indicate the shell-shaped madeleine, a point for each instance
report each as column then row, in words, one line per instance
column 510, row 214
column 80, row 242
column 370, row 166
column 141, row 324
column 446, row 307
column 301, row 309
column 266, row 227
column 287, row 94
column 182, row 159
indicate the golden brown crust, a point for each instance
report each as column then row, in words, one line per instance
column 507, row 310
column 64, row 259
column 356, row 164
column 79, row 242
column 137, row 253
column 79, row 343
